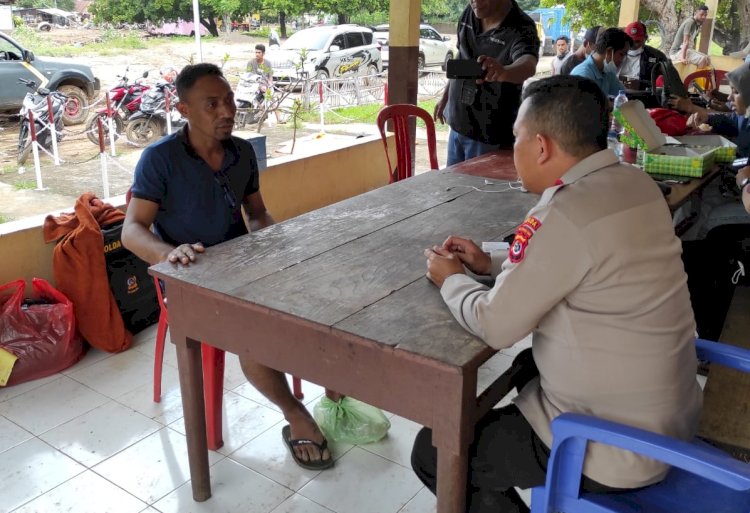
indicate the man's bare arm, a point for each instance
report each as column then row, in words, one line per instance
column 138, row 237
column 256, row 215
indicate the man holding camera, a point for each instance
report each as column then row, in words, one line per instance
column 481, row 110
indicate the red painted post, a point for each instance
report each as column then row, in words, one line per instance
column 32, row 126
column 50, row 111
column 109, row 107
column 385, row 93
column 101, row 132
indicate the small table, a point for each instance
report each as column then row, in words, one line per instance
column 338, row 296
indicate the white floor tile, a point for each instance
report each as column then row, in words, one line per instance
column 234, row 489
column 118, row 374
column 50, row 405
column 9, row 392
column 268, row 455
column 11, row 435
column 100, row 433
column 242, row 420
column 397, row 444
column 233, row 375
column 167, row 410
column 424, row 502
column 91, row 357
column 85, row 493
column 153, row 467
column 362, row 482
column 299, row 504
column 31, row 469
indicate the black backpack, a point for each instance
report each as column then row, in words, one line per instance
column 131, row 285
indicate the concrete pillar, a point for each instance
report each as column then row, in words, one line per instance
column 707, row 30
column 629, row 10
column 403, row 42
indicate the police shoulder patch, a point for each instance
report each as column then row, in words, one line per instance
column 528, row 228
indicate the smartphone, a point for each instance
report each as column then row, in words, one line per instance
column 739, row 163
column 463, row 68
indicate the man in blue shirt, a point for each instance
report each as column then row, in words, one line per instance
column 199, row 187
column 601, row 66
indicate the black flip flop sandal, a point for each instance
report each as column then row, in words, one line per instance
column 286, row 434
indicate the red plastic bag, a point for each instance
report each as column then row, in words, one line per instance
column 670, row 122
column 40, row 333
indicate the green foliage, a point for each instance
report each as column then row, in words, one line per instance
column 21, row 185
column 112, row 42
column 65, row 5
column 17, row 21
column 4, row 219
column 529, row 5
column 443, row 9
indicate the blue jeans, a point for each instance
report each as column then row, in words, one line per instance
column 462, row 148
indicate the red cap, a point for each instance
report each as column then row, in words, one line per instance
column 636, row 31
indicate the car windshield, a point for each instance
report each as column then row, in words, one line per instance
column 306, row 39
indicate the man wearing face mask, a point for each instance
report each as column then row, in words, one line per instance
column 640, row 59
column 601, row 66
column 561, row 46
column 577, row 57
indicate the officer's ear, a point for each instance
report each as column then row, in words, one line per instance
column 182, row 108
column 544, row 146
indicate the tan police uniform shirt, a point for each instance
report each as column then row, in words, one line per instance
column 595, row 273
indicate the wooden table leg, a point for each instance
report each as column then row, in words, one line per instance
column 191, row 388
column 452, row 433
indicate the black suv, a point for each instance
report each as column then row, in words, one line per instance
column 77, row 81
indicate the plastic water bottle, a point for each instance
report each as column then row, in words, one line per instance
column 615, row 129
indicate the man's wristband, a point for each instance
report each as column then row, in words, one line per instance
column 744, row 183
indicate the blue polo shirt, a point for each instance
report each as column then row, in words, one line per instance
column 196, row 204
column 608, row 82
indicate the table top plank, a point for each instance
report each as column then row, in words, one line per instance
column 245, row 259
column 335, row 284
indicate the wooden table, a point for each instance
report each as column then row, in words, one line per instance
column 682, row 191
column 339, row 297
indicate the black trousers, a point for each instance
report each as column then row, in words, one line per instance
column 505, row 454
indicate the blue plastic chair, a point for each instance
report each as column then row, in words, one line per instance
column 703, row 479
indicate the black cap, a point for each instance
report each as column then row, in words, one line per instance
column 591, row 33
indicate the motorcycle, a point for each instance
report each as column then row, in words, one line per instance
column 125, row 100
column 249, row 98
column 36, row 102
column 150, row 122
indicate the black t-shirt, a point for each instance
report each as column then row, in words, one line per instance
column 486, row 112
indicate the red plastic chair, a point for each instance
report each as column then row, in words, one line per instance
column 713, row 78
column 213, row 372
column 213, row 376
column 400, row 114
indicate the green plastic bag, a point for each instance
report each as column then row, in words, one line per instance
column 350, row 421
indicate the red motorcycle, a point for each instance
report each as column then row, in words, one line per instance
column 124, row 101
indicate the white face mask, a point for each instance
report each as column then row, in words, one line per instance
column 609, row 67
column 635, row 53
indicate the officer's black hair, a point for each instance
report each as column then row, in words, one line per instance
column 614, row 38
column 191, row 73
column 563, row 38
column 261, row 47
column 570, row 109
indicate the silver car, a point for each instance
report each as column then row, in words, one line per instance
column 434, row 49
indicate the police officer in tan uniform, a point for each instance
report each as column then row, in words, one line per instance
column 594, row 273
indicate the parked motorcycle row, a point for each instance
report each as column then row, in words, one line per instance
column 138, row 110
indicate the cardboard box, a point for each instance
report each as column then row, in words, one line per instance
column 663, row 155
column 725, row 150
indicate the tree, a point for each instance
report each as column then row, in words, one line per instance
column 731, row 28
column 287, row 7
column 158, row 11
column 65, row 5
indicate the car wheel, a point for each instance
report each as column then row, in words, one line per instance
column 77, row 105
column 321, row 74
column 448, row 56
column 420, row 63
column 373, row 78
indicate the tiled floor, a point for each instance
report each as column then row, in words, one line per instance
column 90, row 439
